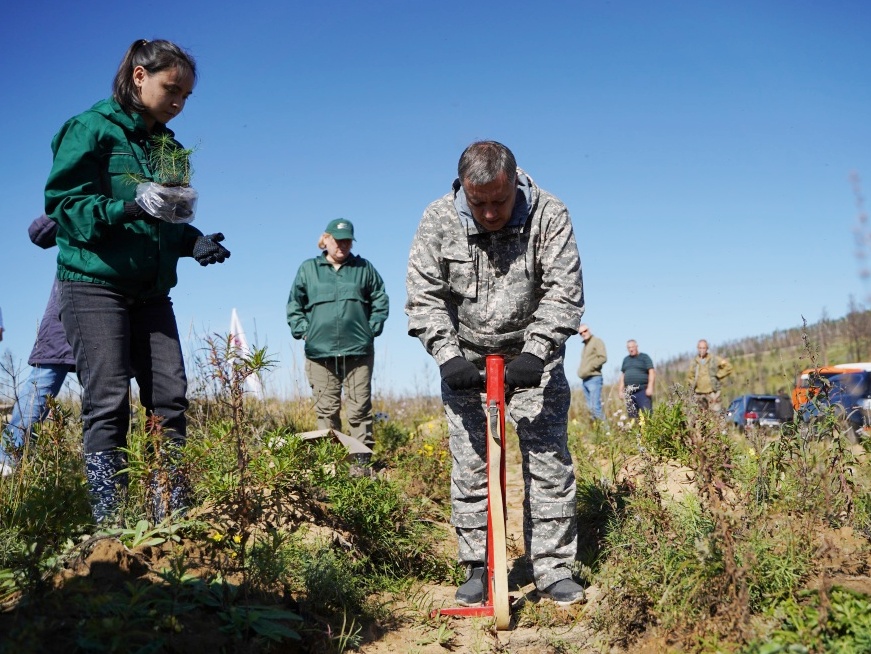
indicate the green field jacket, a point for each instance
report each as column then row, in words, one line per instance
column 338, row 312
column 99, row 157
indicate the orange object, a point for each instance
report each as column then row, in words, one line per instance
column 811, row 381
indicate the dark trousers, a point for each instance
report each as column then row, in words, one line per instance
column 116, row 338
column 638, row 400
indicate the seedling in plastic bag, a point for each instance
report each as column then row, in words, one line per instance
column 169, row 197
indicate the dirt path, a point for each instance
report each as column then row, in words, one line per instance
column 567, row 630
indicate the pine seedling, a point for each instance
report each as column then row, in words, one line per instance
column 171, row 164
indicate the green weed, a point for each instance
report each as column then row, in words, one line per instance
column 835, row 622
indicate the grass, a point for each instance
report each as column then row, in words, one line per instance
column 282, row 546
column 694, row 536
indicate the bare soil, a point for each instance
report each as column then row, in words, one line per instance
column 568, row 629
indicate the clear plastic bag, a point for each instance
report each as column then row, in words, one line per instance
column 174, row 204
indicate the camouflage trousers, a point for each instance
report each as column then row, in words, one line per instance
column 710, row 401
column 540, row 416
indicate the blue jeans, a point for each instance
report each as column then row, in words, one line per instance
column 593, row 393
column 30, row 406
column 114, row 338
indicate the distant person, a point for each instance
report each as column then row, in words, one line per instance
column 593, row 358
column 494, row 269
column 705, row 377
column 1, row 324
column 338, row 305
column 51, row 358
column 117, row 264
column 637, row 378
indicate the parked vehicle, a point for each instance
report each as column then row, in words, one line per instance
column 812, row 380
column 767, row 411
column 849, row 393
column 856, row 365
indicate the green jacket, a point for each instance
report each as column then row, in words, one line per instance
column 338, row 312
column 99, row 157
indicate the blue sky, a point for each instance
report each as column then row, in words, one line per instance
column 704, row 151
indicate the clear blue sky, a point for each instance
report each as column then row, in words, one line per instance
column 704, row 151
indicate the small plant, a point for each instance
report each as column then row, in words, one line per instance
column 169, row 195
column 423, row 468
column 331, row 579
column 170, row 163
column 838, row 621
column 144, row 535
column 441, row 634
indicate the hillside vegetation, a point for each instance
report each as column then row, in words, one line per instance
column 769, row 363
column 693, row 536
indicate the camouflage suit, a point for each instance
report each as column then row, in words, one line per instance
column 518, row 289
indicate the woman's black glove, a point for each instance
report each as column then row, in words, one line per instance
column 207, row 249
column 525, row 371
column 133, row 211
column 460, row 374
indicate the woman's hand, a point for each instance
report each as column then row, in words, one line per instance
column 207, row 249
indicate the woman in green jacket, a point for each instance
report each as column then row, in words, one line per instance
column 338, row 305
column 117, row 263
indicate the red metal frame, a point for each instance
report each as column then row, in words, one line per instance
column 495, row 394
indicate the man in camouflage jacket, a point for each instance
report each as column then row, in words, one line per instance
column 705, row 377
column 494, row 269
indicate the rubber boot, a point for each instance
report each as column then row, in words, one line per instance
column 168, row 487
column 107, row 484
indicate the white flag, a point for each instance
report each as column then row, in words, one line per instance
column 241, row 344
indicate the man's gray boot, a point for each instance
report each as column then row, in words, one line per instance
column 564, row 592
column 107, row 484
column 472, row 591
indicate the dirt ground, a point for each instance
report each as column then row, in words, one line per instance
column 570, row 631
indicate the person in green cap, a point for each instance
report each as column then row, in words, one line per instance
column 338, row 305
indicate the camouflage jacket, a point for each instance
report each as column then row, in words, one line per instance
column 474, row 292
column 703, row 377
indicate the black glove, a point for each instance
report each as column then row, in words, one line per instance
column 133, row 211
column 525, row 371
column 460, row 374
column 43, row 232
column 207, row 249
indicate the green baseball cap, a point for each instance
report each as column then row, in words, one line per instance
column 341, row 229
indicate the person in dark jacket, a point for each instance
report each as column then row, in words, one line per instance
column 338, row 305
column 51, row 359
column 117, row 263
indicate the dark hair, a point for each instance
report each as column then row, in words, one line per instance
column 153, row 56
column 483, row 161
